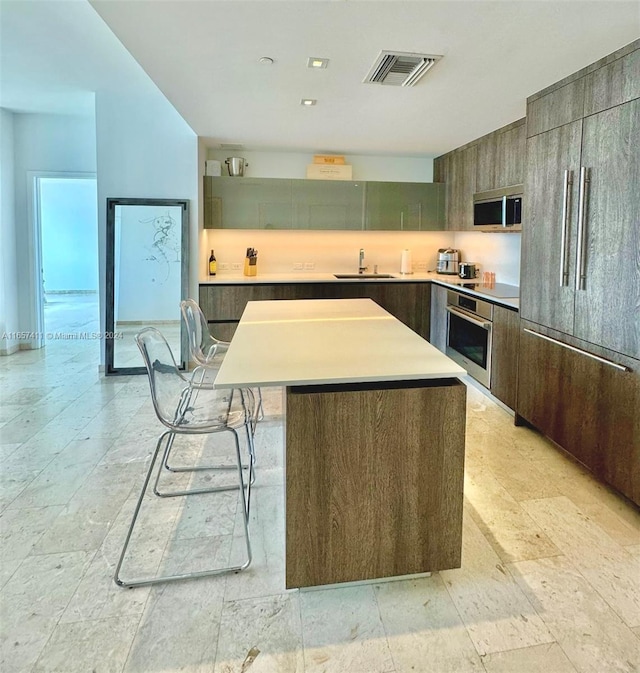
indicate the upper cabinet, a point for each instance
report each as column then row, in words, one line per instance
column 491, row 162
column 272, row 203
column 404, row 206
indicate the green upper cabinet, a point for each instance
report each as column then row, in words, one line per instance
column 247, row 203
column 273, row 203
column 404, row 206
column 327, row 204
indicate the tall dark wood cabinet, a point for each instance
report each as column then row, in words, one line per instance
column 490, row 162
column 580, row 268
column 504, row 354
column 438, row 336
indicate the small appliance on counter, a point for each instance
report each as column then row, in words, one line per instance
column 468, row 270
column 448, row 261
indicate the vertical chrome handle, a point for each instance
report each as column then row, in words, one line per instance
column 564, row 243
column 504, row 211
column 581, row 252
column 402, row 220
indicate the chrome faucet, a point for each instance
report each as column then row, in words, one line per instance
column 361, row 267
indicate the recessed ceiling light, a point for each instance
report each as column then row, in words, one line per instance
column 308, row 101
column 314, row 62
column 266, row 60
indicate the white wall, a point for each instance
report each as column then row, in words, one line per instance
column 9, row 321
column 44, row 143
column 331, row 251
column 495, row 252
column 145, row 150
column 365, row 167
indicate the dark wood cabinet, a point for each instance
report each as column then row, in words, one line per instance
column 587, row 292
column 223, row 304
column 612, row 84
column 438, row 330
column 491, row 162
column 510, row 153
column 554, row 107
column 580, row 271
column 586, row 405
column 504, row 354
column 553, row 165
column 607, row 301
column 460, row 187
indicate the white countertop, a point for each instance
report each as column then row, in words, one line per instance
column 235, row 278
column 326, row 341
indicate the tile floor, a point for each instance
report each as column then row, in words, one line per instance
column 549, row 581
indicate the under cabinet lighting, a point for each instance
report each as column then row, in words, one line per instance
column 319, row 63
column 308, row 101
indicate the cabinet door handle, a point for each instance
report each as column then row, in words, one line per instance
column 622, row 368
column 504, row 212
column 564, row 243
column 581, row 253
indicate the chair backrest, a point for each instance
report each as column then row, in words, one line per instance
column 168, row 386
column 202, row 345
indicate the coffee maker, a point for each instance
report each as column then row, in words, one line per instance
column 448, row 261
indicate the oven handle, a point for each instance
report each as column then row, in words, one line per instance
column 469, row 317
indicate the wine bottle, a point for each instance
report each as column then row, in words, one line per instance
column 213, row 265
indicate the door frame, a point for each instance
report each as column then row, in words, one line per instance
column 36, row 294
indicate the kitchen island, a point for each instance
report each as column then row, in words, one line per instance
column 374, row 437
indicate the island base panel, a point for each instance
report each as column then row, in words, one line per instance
column 374, row 480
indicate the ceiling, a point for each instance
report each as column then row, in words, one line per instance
column 203, row 55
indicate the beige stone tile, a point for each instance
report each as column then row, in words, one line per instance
column 98, row 597
column 7, row 569
column 342, row 631
column 548, row 658
column 633, row 549
column 608, row 567
column 32, row 602
column 497, row 614
column 266, row 574
column 62, row 477
column 100, row 646
column 21, row 529
column 511, row 532
column 261, row 635
column 512, row 455
column 179, row 628
column 589, row 632
column 422, row 625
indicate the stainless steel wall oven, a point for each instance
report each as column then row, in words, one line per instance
column 469, row 333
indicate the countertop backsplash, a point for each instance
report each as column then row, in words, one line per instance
column 495, row 252
column 337, row 251
column 322, row 251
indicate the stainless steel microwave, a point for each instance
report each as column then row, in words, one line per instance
column 498, row 209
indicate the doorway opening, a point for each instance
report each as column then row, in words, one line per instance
column 67, row 288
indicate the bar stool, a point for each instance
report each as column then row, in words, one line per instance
column 188, row 407
column 206, row 350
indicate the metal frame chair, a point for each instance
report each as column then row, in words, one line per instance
column 206, row 350
column 186, row 406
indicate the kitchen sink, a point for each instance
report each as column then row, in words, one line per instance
column 363, row 276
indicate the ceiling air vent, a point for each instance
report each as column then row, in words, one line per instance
column 398, row 68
